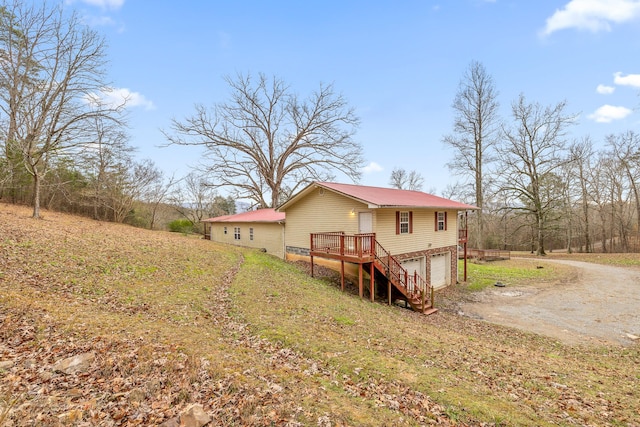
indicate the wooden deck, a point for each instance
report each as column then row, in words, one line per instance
column 489, row 254
column 355, row 248
column 366, row 251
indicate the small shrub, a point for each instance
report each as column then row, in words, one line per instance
column 181, row 226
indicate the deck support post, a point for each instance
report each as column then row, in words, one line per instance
column 465, row 262
column 389, row 288
column 342, row 274
column 311, row 256
column 372, row 281
column 466, row 238
column 360, row 285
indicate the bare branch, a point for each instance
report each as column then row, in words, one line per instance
column 474, row 133
column 406, row 181
column 533, row 150
column 49, row 64
column 264, row 141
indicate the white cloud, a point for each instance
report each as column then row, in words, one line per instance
column 103, row 21
column 605, row 90
column 99, row 21
column 628, row 80
column 120, row 97
column 103, row 4
column 592, row 15
column 608, row 113
column 372, row 167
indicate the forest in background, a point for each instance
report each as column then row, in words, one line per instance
column 64, row 146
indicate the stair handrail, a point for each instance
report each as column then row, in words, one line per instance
column 414, row 284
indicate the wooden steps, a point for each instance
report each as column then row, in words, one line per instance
column 414, row 300
column 363, row 249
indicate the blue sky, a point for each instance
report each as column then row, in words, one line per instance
column 398, row 63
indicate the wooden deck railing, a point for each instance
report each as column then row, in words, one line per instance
column 365, row 246
column 415, row 285
column 339, row 243
column 489, row 254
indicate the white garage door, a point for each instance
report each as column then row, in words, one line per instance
column 439, row 270
column 414, row 264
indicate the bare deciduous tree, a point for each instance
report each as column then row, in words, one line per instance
column 102, row 162
column 474, row 133
column 266, row 140
column 194, row 198
column 533, row 149
column 625, row 147
column 50, row 63
column 580, row 154
column 157, row 193
column 403, row 180
column 127, row 185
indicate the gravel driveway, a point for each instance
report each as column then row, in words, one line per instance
column 601, row 306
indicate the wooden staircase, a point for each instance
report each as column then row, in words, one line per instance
column 415, row 289
column 364, row 249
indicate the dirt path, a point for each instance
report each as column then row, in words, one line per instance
column 601, row 306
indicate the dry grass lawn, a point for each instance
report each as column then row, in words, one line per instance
column 175, row 320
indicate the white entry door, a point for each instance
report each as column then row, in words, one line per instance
column 439, row 270
column 365, row 225
column 365, row 222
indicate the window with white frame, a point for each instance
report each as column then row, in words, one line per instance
column 441, row 221
column 251, row 233
column 236, row 233
column 404, row 222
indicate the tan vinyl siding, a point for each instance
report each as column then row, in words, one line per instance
column 267, row 236
column 318, row 213
column 424, row 235
column 217, row 233
column 330, row 211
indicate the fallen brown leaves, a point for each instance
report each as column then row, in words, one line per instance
column 153, row 311
column 471, row 371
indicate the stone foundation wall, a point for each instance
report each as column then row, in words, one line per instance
column 297, row 251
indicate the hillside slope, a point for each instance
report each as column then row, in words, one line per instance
column 168, row 321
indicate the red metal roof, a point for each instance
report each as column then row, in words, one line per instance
column 389, row 197
column 260, row 215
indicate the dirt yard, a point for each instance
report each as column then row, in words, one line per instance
column 601, row 306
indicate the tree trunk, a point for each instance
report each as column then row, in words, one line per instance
column 36, row 195
column 540, row 236
column 569, row 238
column 479, row 196
column 587, row 237
column 585, row 209
column 603, row 230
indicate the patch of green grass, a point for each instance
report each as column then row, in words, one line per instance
column 160, row 296
column 617, row 259
column 510, row 272
column 344, row 320
column 474, row 370
column 380, row 342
